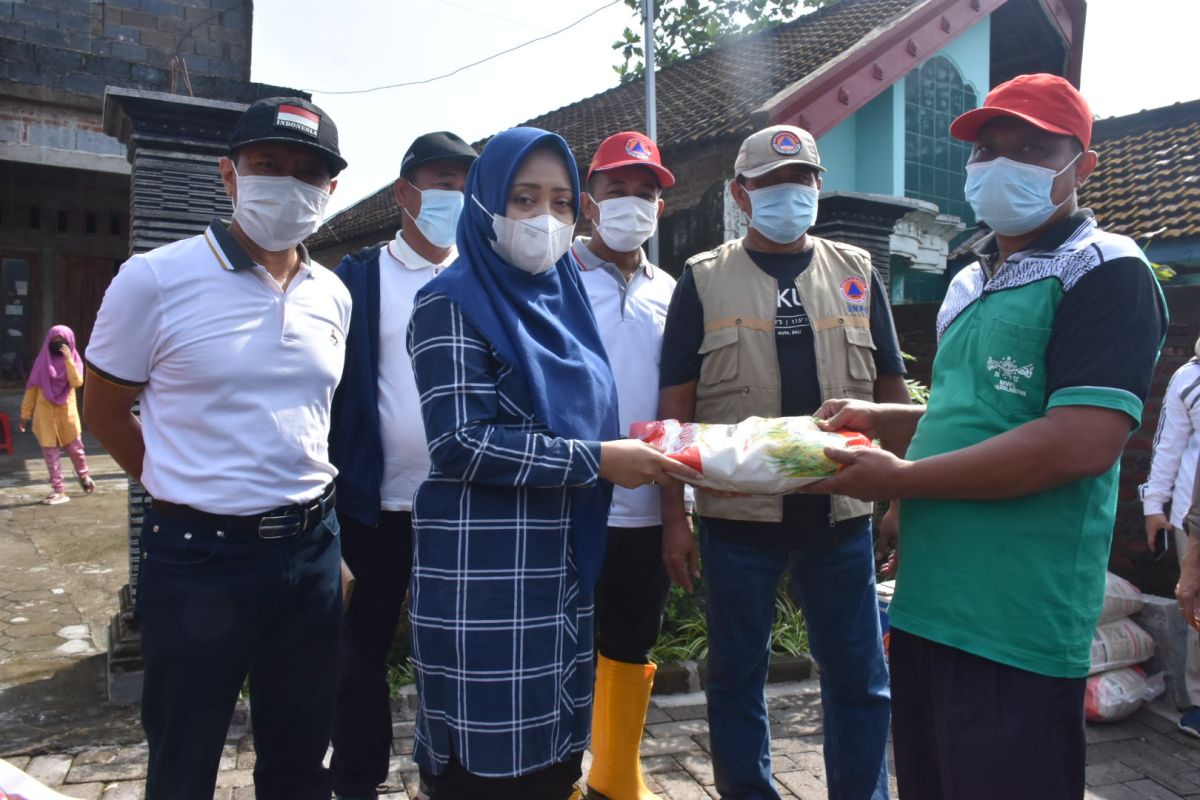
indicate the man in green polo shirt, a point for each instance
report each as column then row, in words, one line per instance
column 1046, row 350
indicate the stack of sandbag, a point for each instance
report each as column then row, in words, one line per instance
column 1117, row 686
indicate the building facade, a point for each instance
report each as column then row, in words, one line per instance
column 876, row 81
column 64, row 183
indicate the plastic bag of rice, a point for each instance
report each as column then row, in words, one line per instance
column 755, row 456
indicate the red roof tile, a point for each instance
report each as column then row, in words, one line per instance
column 1148, row 178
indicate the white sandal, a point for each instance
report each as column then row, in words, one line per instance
column 55, row 499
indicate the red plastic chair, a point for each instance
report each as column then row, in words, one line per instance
column 6, row 442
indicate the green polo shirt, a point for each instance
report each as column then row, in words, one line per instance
column 1077, row 319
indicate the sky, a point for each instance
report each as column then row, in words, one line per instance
column 1137, row 55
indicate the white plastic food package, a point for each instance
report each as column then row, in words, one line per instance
column 755, row 456
column 1121, row 599
column 1119, row 644
column 16, row 784
column 1118, row 693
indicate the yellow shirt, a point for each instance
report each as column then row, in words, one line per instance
column 54, row 425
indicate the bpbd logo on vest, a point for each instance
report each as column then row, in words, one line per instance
column 854, row 289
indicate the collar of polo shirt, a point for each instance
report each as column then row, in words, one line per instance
column 588, row 261
column 410, row 259
column 229, row 253
column 986, row 250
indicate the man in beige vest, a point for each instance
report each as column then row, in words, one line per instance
column 771, row 325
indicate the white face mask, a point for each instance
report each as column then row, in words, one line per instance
column 626, row 222
column 783, row 212
column 278, row 212
column 1012, row 197
column 438, row 217
column 532, row 245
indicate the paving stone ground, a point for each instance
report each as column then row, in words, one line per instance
column 60, row 569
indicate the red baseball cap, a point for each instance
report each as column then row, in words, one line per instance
column 1044, row 101
column 630, row 149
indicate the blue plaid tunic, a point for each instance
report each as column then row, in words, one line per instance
column 501, row 633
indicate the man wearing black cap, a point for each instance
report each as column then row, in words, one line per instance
column 379, row 446
column 233, row 341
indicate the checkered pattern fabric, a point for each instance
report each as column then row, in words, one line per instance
column 501, row 633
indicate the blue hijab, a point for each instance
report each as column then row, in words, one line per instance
column 541, row 325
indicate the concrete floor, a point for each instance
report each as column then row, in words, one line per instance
column 61, row 568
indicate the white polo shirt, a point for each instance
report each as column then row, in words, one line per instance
column 237, row 374
column 405, row 453
column 631, row 317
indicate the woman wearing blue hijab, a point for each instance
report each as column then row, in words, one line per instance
column 520, row 412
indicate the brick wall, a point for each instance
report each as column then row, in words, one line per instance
column 80, row 46
column 61, row 128
column 915, row 324
column 1129, row 555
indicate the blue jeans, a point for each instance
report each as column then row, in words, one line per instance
column 835, row 589
column 215, row 606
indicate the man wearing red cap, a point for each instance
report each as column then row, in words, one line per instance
column 1046, row 350
column 629, row 296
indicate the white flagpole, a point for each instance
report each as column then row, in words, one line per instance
column 651, row 114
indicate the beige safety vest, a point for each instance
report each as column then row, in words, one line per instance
column 739, row 377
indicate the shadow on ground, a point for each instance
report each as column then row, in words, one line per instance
column 66, row 710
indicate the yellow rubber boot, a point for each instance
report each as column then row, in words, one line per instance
column 618, row 715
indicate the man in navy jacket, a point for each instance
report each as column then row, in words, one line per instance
column 378, row 445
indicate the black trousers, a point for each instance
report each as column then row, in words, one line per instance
column 555, row 782
column 216, row 605
column 968, row 728
column 631, row 594
column 381, row 560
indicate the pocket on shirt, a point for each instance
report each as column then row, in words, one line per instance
column 860, row 353
column 1013, row 368
column 719, row 349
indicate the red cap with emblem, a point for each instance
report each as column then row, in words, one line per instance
column 1043, row 100
column 631, row 149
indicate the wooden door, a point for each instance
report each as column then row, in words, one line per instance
column 79, row 288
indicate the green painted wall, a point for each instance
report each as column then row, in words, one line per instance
column 865, row 153
column 838, row 156
column 877, row 147
column 971, row 52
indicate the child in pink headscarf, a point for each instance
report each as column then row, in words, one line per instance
column 50, row 402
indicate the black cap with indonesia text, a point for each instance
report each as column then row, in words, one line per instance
column 289, row 119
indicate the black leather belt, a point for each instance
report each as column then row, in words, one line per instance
column 278, row 523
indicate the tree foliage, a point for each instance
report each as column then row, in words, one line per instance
column 684, row 28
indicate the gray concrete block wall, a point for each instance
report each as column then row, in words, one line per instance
column 81, row 46
column 1164, row 623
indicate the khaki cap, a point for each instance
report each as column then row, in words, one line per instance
column 775, row 147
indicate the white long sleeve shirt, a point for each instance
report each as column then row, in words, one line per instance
column 1176, row 447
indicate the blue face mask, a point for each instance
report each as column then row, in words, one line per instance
column 438, row 218
column 783, row 212
column 1011, row 197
